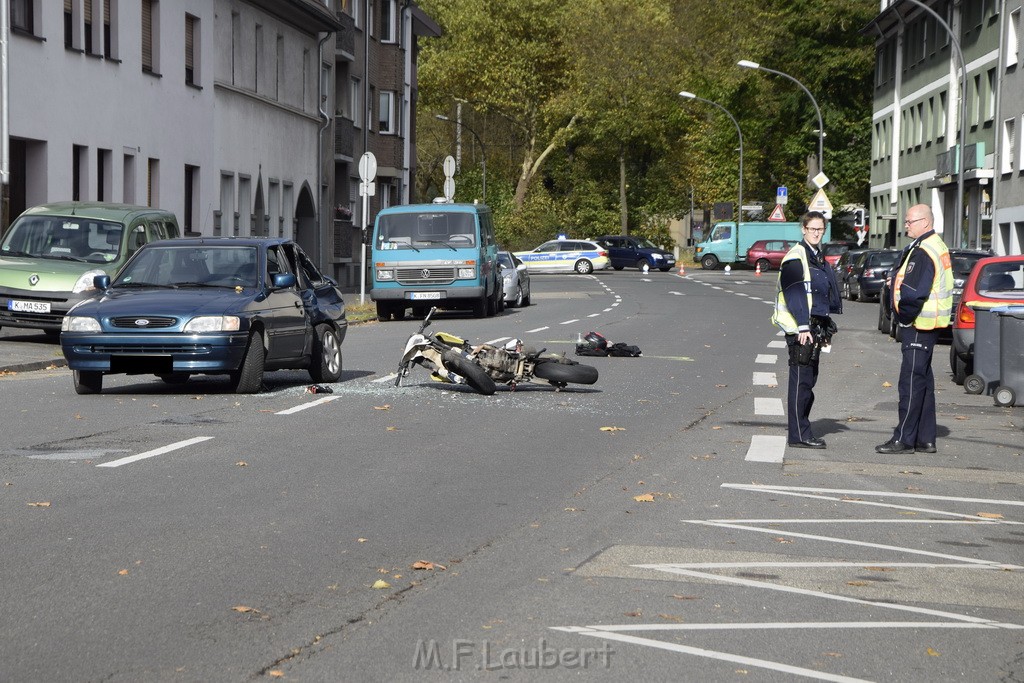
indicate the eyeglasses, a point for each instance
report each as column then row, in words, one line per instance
column 911, row 222
column 815, row 229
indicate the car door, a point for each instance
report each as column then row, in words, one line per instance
column 543, row 259
column 287, row 319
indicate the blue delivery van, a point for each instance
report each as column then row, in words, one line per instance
column 442, row 255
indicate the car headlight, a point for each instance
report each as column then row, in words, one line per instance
column 384, row 274
column 507, row 278
column 467, row 273
column 213, row 323
column 84, row 283
column 79, row 323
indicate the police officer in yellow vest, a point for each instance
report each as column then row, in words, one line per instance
column 807, row 293
column 922, row 301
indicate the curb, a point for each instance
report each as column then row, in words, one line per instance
column 34, row 365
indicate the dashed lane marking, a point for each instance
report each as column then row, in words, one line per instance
column 764, row 405
column 155, row 452
column 304, row 406
column 769, row 358
column 765, row 379
column 536, row 329
column 765, row 448
column 569, row 322
column 776, row 344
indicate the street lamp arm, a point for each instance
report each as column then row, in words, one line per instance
column 739, row 134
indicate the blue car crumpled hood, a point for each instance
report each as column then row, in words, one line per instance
column 180, row 303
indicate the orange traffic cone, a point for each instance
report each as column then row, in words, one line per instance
column 682, row 269
column 757, row 270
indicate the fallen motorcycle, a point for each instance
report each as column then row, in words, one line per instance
column 482, row 367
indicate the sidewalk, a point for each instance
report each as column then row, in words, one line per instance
column 26, row 350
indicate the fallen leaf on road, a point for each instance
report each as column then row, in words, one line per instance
column 644, row 498
column 243, row 609
column 857, row 583
column 78, row 416
column 780, row 539
column 429, row 566
column 833, row 654
column 637, row 613
column 717, row 427
column 670, row 617
column 962, row 417
column 886, row 384
column 684, row 597
column 380, row 583
column 990, row 515
column 909, row 472
column 613, row 429
column 197, row 398
column 242, row 463
column 275, row 674
column 43, row 504
column 880, row 569
column 721, row 386
column 933, row 653
column 386, row 406
column 361, row 540
column 392, row 429
column 123, row 572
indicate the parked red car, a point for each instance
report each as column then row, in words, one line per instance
column 833, row 250
column 768, row 253
column 994, row 281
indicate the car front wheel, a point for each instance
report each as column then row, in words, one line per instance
column 709, row 262
column 326, row 362
column 249, row 378
column 88, row 382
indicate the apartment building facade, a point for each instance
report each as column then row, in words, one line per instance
column 919, row 87
column 222, row 111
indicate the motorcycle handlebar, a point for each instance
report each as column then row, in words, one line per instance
column 426, row 320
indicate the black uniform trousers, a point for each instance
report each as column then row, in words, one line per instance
column 917, row 388
column 800, row 399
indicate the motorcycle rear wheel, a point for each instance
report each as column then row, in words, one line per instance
column 475, row 375
column 574, row 373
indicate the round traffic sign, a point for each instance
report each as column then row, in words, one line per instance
column 449, row 188
column 367, row 167
column 449, row 166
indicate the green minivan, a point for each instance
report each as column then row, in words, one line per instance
column 51, row 253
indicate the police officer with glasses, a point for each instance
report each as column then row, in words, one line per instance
column 807, row 293
column 922, row 303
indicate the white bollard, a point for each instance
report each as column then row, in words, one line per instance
column 728, row 269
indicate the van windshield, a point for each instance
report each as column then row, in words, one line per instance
column 426, row 230
column 68, row 238
column 721, row 232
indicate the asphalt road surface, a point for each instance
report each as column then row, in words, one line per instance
column 648, row 527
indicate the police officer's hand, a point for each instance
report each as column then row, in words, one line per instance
column 804, row 338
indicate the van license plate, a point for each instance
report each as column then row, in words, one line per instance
column 420, row 296
column 29, row 306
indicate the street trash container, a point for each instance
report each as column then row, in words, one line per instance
column 1011, row 356
column 985, row 377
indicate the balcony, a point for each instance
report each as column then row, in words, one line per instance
column 345, row 41
column 344, row 137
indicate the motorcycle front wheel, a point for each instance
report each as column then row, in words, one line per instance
column 574, row 373
column 475, row 375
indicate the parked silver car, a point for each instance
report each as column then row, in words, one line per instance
column 515, row 278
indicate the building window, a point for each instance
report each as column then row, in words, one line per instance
column 110, row 15
column 128, row 191
column 975, row 101
column 369, row 17
column 369, row 108
column 279, row 68
column 357, row 13
column 192, row 36
column 388, row 21
column 236, row 43
column 257, row 58
column 1007, row 154
column 103, row 175
column 150, row 36
column 1013, row 39
column 87, row 35
column 355, row 101
column 153, row 182
column 69, row 24
column 940, row 119
column 191, row 184
column 23, row 16
column 386, row 114
column 990, row 95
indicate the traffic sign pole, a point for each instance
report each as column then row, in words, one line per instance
column 367, row 172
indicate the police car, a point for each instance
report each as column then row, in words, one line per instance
column 565, row 256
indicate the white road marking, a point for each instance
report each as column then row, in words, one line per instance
column 615, row 304
column 765, row 379
column 385, row 378
column 886, row 494
column 849, row 541
column 715, row 287
column 536, row 329
column 569, row 322
column 606, row 310
column 776, row 344
column 156, row 451
column 719, row 626
column 982, row 522
column 766, row 358
column 765, row 448
column 712, row 654
column 593, row 315
column 768, row 406
column 677, row 293
column 494, row 342
column 645, row 279
column 304, row 406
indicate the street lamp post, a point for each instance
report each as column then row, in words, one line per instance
column 739, row 206
column 958, row 205
column 747, row 64
column 483, row 154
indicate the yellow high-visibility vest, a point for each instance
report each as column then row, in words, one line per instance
column 782, row 317
column 938, row 309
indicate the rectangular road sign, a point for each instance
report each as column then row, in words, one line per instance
column 782, row 195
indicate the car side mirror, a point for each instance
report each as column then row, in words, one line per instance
column 101, row 282
column 521, row 266
column 282, row 280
